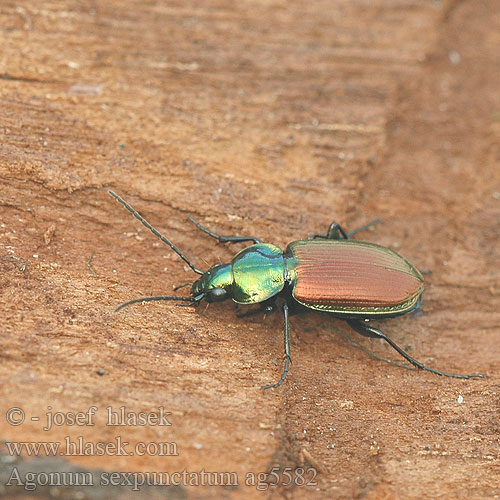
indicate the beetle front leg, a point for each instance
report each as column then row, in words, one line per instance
column 224, row 239
column 369, row 331
column 287, row 351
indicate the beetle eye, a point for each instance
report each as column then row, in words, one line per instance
column 216, row 295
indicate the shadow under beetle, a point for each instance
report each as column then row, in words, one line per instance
column 353, row 280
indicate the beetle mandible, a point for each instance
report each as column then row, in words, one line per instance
column 353, row 280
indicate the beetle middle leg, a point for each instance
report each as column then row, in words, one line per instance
column 223, row 239
column 287, row 351
column 337, row 232
column 369, row 331
column 268, row 306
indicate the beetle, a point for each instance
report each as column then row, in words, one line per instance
column 353, row 280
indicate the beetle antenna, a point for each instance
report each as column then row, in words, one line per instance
column 156, row 232
column 191, row 300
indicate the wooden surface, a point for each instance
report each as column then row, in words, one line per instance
column 272, row 119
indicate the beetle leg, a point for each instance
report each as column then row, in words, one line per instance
column 265, row 307
column 244, row 314
column 182, row 285
column 223, row 239
column 362, row 228
column 369, row 331
column 287, row 350
column 337, row 232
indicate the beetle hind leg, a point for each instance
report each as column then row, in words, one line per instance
column 287, row 351
column 362, row 328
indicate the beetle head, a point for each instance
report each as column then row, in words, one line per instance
column 214, row 285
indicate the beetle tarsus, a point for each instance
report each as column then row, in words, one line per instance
column 287, row 351
column 369, row 331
